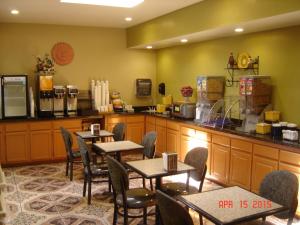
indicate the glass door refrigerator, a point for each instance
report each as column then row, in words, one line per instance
column 14, row 96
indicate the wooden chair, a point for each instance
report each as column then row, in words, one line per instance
column 171, row 212
column 125, row 198
column 91, row 171
column 72, row 156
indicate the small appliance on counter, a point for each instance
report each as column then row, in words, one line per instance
column 45, row 95
column 72, row 94
column 210, row 90
column 59, row 100
column 185, row 109
column 14, row 96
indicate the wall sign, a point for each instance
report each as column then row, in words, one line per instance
column 62, row 53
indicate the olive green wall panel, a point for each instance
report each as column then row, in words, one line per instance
column 279, row 52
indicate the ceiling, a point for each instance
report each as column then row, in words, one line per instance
column 54, row 12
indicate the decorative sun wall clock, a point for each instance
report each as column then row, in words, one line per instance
column 62, row 53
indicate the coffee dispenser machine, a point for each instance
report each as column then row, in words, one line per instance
column 45, row 95
column 72, row 94
column 59, row 100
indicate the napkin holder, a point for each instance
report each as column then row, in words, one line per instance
column 170, row 161
column 95, row 129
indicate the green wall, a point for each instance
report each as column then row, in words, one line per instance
column 205, row 15
column 279, row 52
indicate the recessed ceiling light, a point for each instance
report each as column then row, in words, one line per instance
column 128, row 19
column 149, row 47
column 184, row 40
column 112, row 3
column 14, row 12
column 238, row 29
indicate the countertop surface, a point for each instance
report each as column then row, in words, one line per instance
column 265, row 138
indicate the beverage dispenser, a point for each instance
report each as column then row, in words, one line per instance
column 45, row 95
column 72, row 95
column 59, row 100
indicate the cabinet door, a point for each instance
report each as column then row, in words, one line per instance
column 41, row 145
column 260, row 168
column 161, row 142
column 186, row 144
column 173, row 141
column 295, row 170
column 59, row 151
column 17, row 147
column 240, row 169
column 2, row 147
column 150, row 127
column 135, row 132
column 220, row 163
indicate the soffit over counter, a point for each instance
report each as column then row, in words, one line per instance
column 213, row 19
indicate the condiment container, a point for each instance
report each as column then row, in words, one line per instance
column 170, row 161
column 283, row 125
column 272, row 116
column 95, row 129
column 276, row 131
column 291, row 135
column 263, row 128
column 292, row 126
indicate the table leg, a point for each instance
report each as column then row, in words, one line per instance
column 118, row 156
column 157, row 187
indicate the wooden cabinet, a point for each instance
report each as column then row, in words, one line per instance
column 161, row 141
column 220, row 163
column 173, row 141
column 240, row 163
column 135, row 128
column 290, row 161
column 59, row 151
column 173, row 137
column 40, row 141
column 265, row 160
column 17, row 143
column 2, row 147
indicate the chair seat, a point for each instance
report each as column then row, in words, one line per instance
column 177, row 188
column 76, row 154
column 138, row 198
column 98, row 171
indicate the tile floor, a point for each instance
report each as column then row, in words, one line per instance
column 43, row 195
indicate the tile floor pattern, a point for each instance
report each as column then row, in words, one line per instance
column 43, row 195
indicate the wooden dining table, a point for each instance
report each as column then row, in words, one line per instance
column 116, row 147
column 87, row 135
column 231, row 205
column 153, row 168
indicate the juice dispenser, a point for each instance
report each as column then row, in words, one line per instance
column 72, row 95
column 45, row 95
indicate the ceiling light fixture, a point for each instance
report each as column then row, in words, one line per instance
column 112, row 3
column 14, row 12
column 184, row 40
column 238, row 30
column 149, row 47
column 128, row 19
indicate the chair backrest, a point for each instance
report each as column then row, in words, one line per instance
column 197, row 158
column 168, row 206
column 68, row 141
column 85, row 157
column 118, row 175
column 148, row 142
column 281, row 187
column 119, row 132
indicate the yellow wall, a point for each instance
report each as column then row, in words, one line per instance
column 279, row 52
column 100, row 53
column 205, row 15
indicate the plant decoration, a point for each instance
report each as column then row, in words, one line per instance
column 45, row 64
